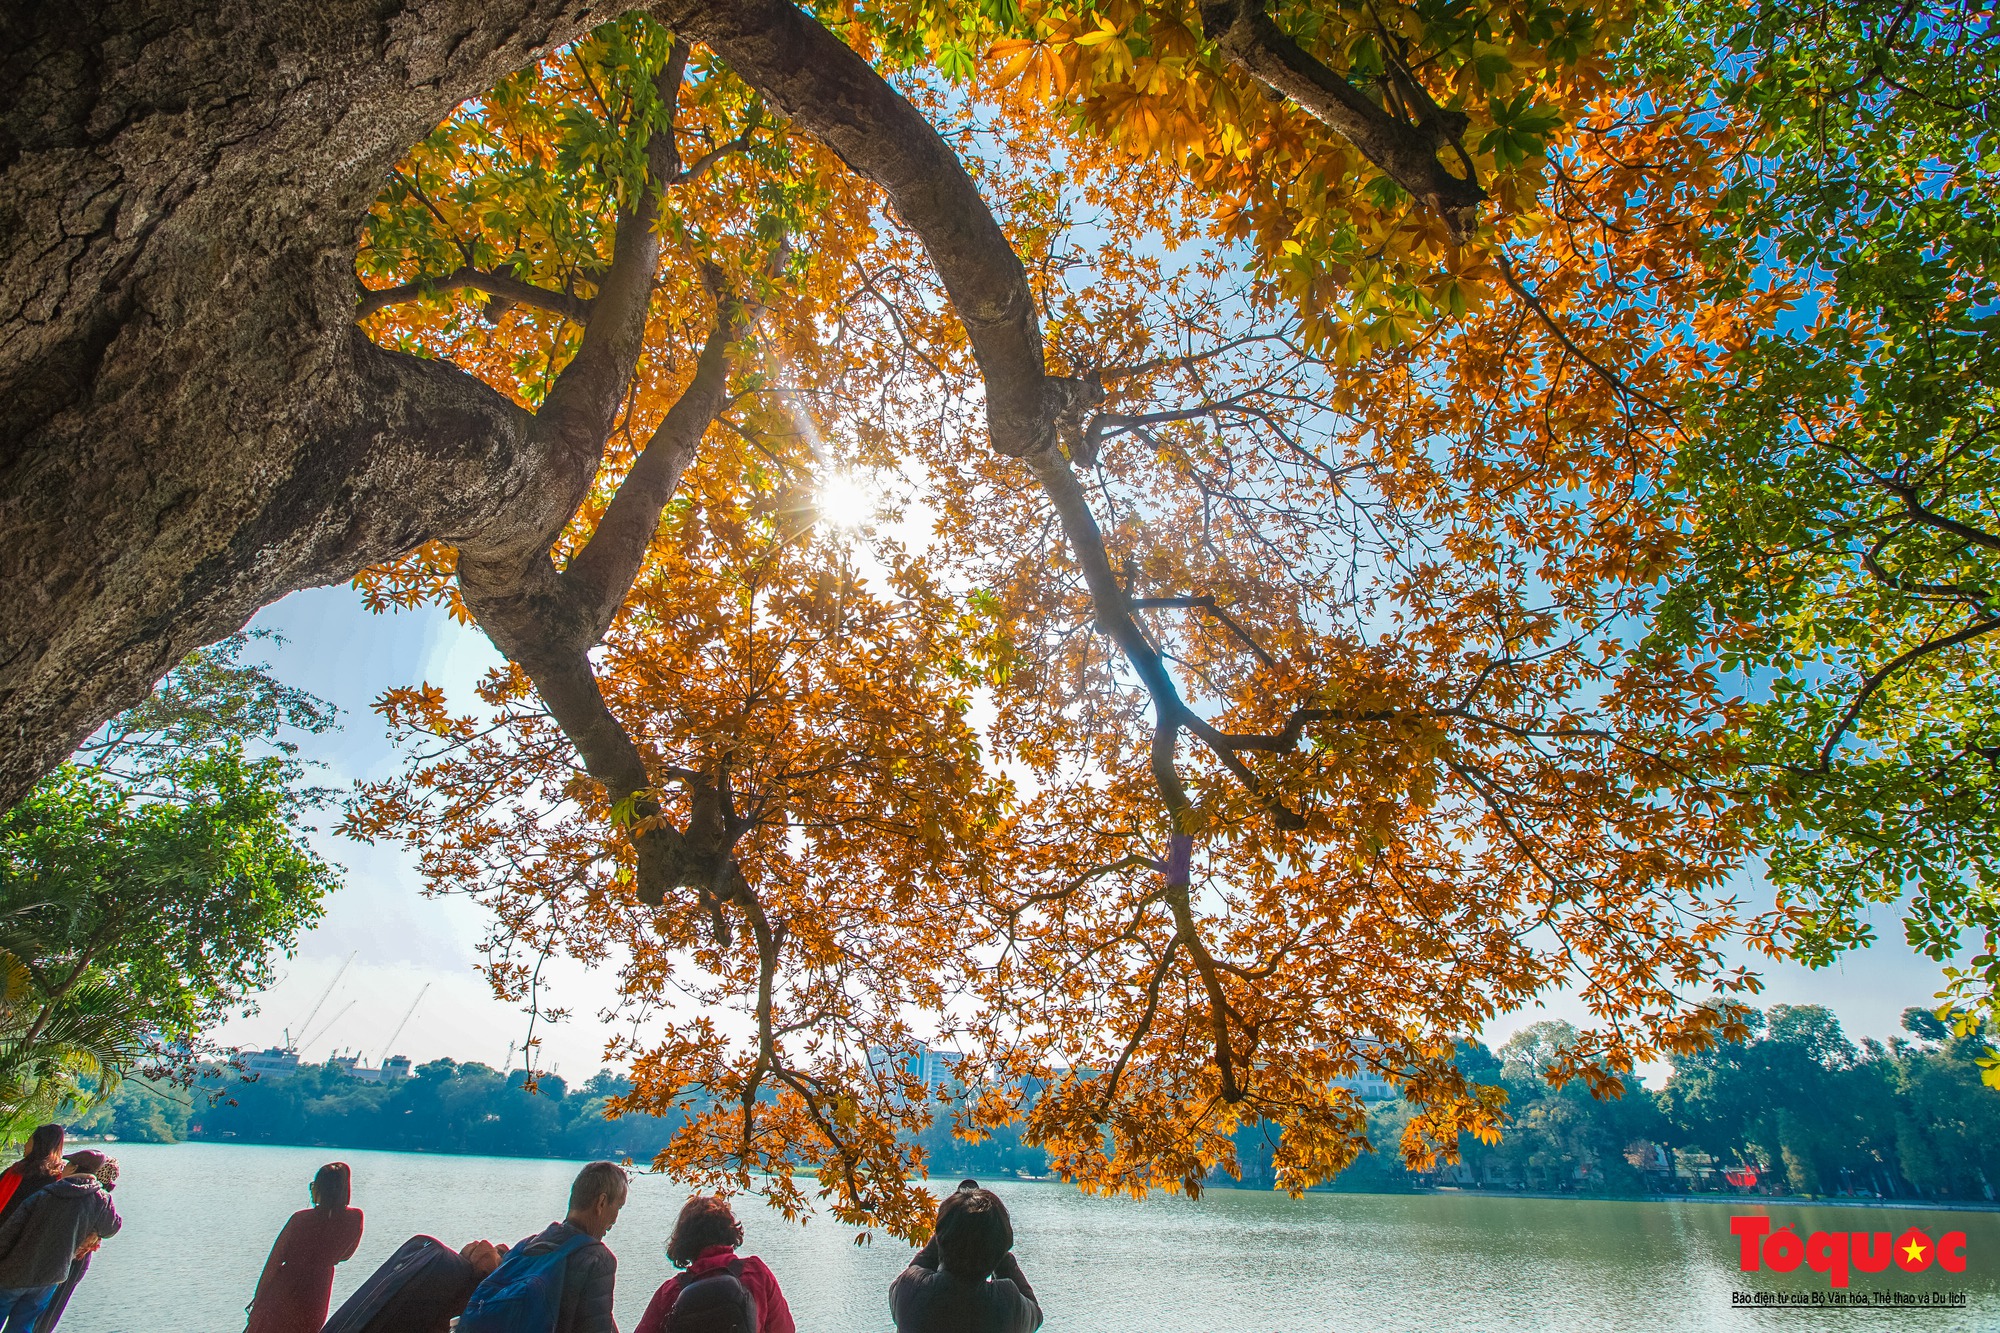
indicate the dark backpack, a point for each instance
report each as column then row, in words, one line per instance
column 716, row 1302
column 522, row 1295
column 424, row 1272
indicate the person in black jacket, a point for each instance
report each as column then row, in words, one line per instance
column 106, row 1171
column 966, row 1280
column 421, row 1289
column 590, row 1275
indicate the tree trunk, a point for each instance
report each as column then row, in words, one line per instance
column 191, row 426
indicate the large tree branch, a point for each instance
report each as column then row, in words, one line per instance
column 575, row 419
column 830, row 91
column 501, row 285
column 1915, row 507
column 1407, row 153
column 548, row 622
column 834, row 94
column 1188, row 936
column 1114, row 618
column 602, row 572
column 534, row 624
column 1871, row 560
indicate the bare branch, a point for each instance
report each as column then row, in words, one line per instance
column 1881, row 674
column 1207, row 603
column 499, row 285
column 1534, row 303
column 1136, row 861
column 1405, row 150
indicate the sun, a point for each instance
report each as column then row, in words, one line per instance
column 848, row 501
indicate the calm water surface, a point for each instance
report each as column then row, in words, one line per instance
column 200, row 1218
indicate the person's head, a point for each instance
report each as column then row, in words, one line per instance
column 705, row 1220
column 483, row 1255
column 596, row 1197
column 973, row 1233
column 44, row 1145
column 333, row 1186
column 89, row 1162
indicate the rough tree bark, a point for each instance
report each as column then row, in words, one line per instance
column 191, row 426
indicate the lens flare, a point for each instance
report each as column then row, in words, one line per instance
column 847, row 500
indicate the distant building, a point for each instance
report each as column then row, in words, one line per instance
column 1368, row 1085
column 938, row 1069
column 934, row 1069
column 393, row 1069
column 275, row 1064
column 271, row 1064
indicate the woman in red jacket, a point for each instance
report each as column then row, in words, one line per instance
column 41, row 1162
column 703, row 1246
column 297, row 1285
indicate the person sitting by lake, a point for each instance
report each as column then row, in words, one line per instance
column 421, row 1289
column 966, row 1279
column 716, row 1291
column 41, row 1162
column 43, row 1236
column 563, row 1280
column 297, row 1284
column 106, row 1171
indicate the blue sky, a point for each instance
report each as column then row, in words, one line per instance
column 400, row 941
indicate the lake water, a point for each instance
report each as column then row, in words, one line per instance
column 200, row 1218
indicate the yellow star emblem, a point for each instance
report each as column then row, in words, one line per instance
column 1915, row 1250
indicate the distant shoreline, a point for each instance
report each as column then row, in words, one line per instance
column 1738, row 1200
column 1447, row 1191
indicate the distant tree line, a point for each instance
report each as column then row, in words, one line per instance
column 1800, row 1105
column 444, row 1106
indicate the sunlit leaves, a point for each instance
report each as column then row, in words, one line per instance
column 1848, row 490
column 1390, row 505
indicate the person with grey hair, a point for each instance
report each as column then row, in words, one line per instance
column 563, row 1279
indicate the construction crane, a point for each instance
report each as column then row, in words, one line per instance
column 327, row 1027
column 320, row 1003
column 400, row 1026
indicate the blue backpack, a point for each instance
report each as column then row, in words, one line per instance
column 522, row 1295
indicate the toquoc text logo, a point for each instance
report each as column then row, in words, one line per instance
column 1836, row 1253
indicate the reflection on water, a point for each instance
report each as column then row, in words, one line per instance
column 199, row 1219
